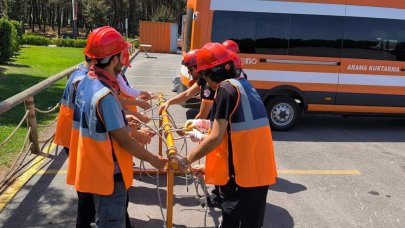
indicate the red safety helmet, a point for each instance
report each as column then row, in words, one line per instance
column 190, row 58
column 212, row 55
column 236, row 60
column 125, row 58
column 231, row 45
column 104, row 42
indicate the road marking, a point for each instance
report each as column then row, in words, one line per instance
column 319, row 172
column 14, row 188
column 282, row 171
column 53, row 171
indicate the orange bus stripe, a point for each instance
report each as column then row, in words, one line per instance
column 320, row 108
column 288, row 57
column 371, row 109
column 355, row 109
column 293, row 67
column 300, row 86
column 400, row 4
column 257, row 65
column 389, row 90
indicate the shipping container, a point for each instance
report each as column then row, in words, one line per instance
column 161, row 35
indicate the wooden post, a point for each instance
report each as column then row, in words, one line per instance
column 32, row 122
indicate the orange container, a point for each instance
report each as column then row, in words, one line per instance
column 161, row 35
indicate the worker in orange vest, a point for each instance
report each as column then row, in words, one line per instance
column 85, row 205
column 64, row 123
column 104, row 147
column 239, row 148
column 206, row 93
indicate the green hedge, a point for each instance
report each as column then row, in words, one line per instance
column 19, row 28
column 79, row 43
column 8, row 40
column 132, row 41
column 35, row 40
column 43, row 41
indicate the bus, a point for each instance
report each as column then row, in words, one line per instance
column 310, row 56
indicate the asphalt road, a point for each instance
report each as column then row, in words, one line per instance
column 333, row 172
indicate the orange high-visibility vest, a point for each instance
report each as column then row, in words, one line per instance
column 95, row 148
column 71, row 167
column 74, row 138
column 252, row 145
column 64, row 124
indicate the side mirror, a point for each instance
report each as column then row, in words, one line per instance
column 195, row 15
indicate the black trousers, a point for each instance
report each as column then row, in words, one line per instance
column 85, row 210
column 243, row 207
column 66, row 150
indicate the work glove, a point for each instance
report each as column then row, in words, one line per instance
column 200, row 124
column 195, row 135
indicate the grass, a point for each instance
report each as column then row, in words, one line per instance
column 32, row 65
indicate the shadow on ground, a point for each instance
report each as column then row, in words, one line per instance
column 283, row 185
column 276, row 217
column 35, row 210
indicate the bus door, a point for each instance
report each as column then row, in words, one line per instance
column 372, row 75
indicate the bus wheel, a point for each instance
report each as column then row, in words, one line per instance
column 283, row 113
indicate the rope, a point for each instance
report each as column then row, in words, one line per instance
column 15, row 130
column 198, row 179
column 49, row 110
column 160, row 199
column 155, row 118
column 150, row 109
column 12, row 167
column 49, row 124
column 156, row 132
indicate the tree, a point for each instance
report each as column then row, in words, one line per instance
column 96, row 12
column 39, row 14
column 14, row 10
column 163, row 14
column 8, row 39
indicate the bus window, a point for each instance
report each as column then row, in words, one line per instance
column 313, row 35
column 272, row 34
column 373, row 38
column 188, row 30
column 238, row 26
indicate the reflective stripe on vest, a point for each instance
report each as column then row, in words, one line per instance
column 252, row 145
column 94, row 168
column 64, row 123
